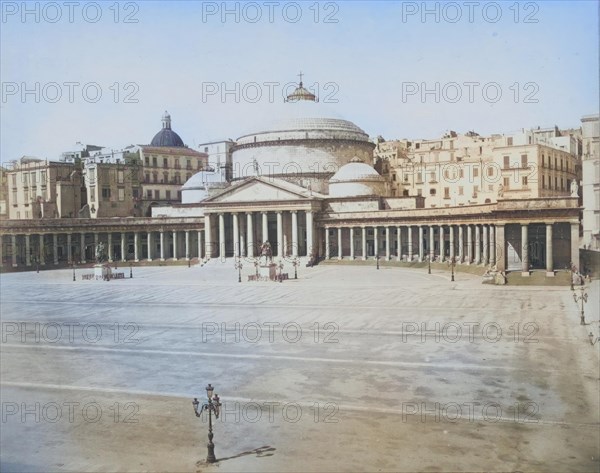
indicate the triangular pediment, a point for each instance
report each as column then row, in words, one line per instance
column 257, row 189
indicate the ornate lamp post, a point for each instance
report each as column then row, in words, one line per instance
column 239, row 266
column 130, row 270
column 582, row 299
column 377, row 259
column 296, row 263
column 280, row 267
column 73, row 266
column 213, row 405
column 429, row 264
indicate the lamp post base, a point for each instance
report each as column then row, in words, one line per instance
column 210, row 458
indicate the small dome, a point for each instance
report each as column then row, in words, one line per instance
column 354, row 171
column 205, row 178
column 167, row 137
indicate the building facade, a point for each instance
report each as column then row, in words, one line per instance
column 591, row 182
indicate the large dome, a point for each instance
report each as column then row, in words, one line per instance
column 166, row 137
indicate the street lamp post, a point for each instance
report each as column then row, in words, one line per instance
column 130, row 270
column 452, row 262
column 213, row 405
column 296, row 263
column 280, row 267
column 73, row 266
column 239, row 266
column 581, row 300
column 377, row 259
column 429, row 265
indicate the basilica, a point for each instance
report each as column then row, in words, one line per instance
column 314, row 185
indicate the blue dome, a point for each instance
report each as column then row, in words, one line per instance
column 167, row 137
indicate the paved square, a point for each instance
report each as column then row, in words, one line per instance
column 348, row 368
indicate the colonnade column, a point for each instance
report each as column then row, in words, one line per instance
column 575, row 243
column 339, row 235
column 175, row 252
column 469, row 244
column 399, row 243
column 492, row 250
column 486, row 247
column 136, row 246
column 376, row 241
column 364, row 243
column 309, row 234
column 421, row 249
column 461, row 244
column 280, row 248
column 249, row 235
column 327, row 248
column 294, row 233
column 265, row 227
column 451, row 230
column 442, row 244
column 13, row 242
column 431, row 243
column 477, row 244
column 162, row 245
column 410, row 244
column 352, row 243
column 387, row 243
column 110, row 248
column 96, row 239
column 148, row 248
column 55, row 247
column 82, row 246
column 200, row 245
column 187, row 245
column 524, row 250
column 236, row 236
column 27, row 251
column 500, row 246
column 549, row 259
column 69, row 249
column 42, row 259
column 207, row 237
column 123, row 247
column 221, row 236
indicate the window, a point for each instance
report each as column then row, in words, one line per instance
column 93, row 194
column 120, row 177
column 14, row 180
column 149, row 193
column 419, row 177
column 543, row 181
column 14, row 196
column 419, row 192
column 165, row 163
column 177, row 178
column 475, row 190
column 446, row 192
column 106, row 193
column 393, row 177
column 157, row 194
column 491, row 187
column 461, row 173
column 135, row 193
column 154, row 161
column 33, row 178
column 561, row 164
column 147, row 177
column 179, row 196
column 121, row 194
column 506, row 162
column 461, row 190
column 524, row 181
column 506, row 183
column 509, row 141
column 165, row 177
column 147, row 161
column 562, row 184
column 168, row 194
column 155, row 177
column 490, row 171
column 543, row 161
column 176, row 163
column 206, row 149
column 43, row 179
column 432, row 192
column 475, row 172
column 417, row 145
column 524, row 161
column 556, row 183
column 25, row 179
column 188, row 164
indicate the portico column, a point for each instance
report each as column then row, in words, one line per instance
column 199, row 245
column 351, row 243
column 492, row 250
column 222, row 236
column 82, row 246
column 575, row 243
column 280, row 247
column 442, row 244
column 55, row 247
column 69, row 249
column 250, row 235
column 431, row 243
column 549, row 256
column 451, row 230
column 421, row 249
column 524, row 250
column 410, row 244
column 469, row 244
column 500, row 248
column 477, row 244
column 42, row 259
column 123, row 247
column 148, row 246
column 265, row 227
column 207, row 237
column 13, row 242
column 96, row 239
column 136, row 246
column 294, row 233
column 110, row 248
column 485, row 258
column 339, row 235
column 27, row 251
column 162, row 245
column 236, row 235
column 461, row 244
column 309, row 233
column 387, row 243
column 376, row 241
column 364, row 243
column 327, row 247
column 174, row 245
column 399, row 243
column 187, row 245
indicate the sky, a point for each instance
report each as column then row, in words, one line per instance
column 104, row 72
